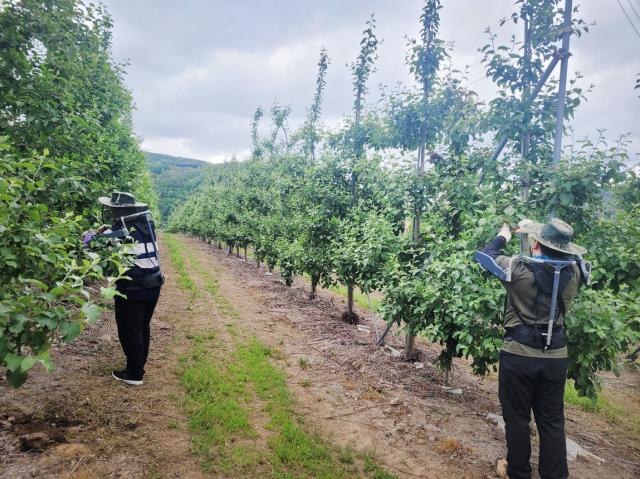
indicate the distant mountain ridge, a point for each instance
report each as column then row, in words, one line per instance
column 175, row 178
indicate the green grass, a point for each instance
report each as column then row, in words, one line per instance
column 225, row 392
column 375, row 470
column 212, row 286
column 215, row 404
column 602, row 406
column 358, row 296
column 172, row 424
column 176, row 254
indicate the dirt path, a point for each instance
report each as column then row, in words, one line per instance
column 77, row 422
column 360, row 395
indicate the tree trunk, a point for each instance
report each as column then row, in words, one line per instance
column 410, row 338
column 448, row 375
column 245, row 253
column 314, row 286
column 219, row 245
column 350, row 316
column 409, row 345
column 238, row 251
column 230, row 250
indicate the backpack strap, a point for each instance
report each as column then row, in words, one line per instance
column 543, row 278
column 543, row 281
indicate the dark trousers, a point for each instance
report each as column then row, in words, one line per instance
column 533, row 383
column 134, row 332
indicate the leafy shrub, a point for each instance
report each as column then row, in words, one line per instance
column 43, row 269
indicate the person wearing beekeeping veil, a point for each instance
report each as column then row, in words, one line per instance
column 131, row 224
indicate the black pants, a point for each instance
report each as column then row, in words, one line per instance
column 134, row 332
column 534, row 383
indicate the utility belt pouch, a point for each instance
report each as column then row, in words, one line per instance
column 536, row 337
column 152, row 280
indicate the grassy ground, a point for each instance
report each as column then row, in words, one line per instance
column 604, row 406
column 242, row 416
column 359, row 297
column 176, row 250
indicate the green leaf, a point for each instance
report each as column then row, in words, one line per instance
column 91, row 311
column 16, row 378
column 12, row 361
column 45, row 360
column 108, row 293
column 27, row 363
column 17, row 326
column 70, row 330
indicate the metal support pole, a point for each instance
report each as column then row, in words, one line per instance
column 532, row 96
column 562, row 89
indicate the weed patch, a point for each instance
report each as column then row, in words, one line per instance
column 212, row 287
column 613, row 412
column 176, row 255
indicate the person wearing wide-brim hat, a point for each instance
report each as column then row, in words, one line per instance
column 141, row 291
column 122, row 203
column 532, row 377
column 555, row 235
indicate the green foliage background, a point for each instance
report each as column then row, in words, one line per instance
column 340, row 211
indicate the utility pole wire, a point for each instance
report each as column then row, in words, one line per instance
column 634, row 9
column 628, row 18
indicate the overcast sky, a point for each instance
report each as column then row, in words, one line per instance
column 199, row 68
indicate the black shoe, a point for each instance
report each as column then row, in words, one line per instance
column 126, row 377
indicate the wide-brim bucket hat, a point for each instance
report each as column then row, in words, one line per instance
column 556, row 234
column 121, row 199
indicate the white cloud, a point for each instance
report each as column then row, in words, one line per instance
column 199, row 69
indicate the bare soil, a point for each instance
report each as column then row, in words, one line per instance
column 92, row 426
column 78, row 422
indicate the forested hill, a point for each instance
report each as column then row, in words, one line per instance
column 175, row 178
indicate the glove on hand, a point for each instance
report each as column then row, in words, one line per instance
column 527, row 226
column 505, row 232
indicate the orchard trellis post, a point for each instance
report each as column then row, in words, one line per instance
column 525, row 138
column 562, row 89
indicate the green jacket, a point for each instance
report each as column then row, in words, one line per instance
column 524, row 303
